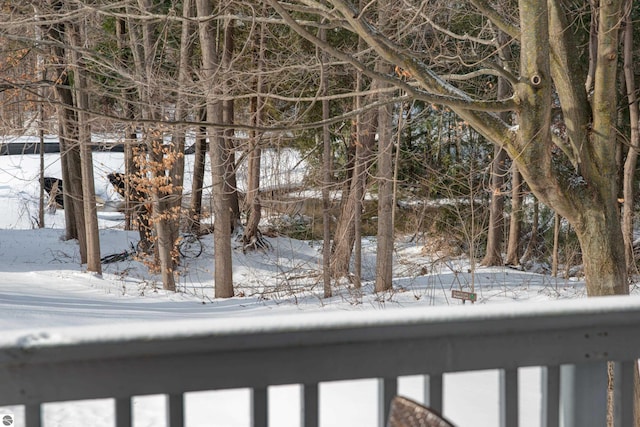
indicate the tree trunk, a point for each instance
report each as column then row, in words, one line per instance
column 359, row 173
column 68, row 130
column 86, row 159
column 199, row 162
column 176, row 172
column 600, row 239
column 499, row 170
column 136, row 187
column 589, row 201
column 228, row 118
column 69, row 159
column 251, row 237
column 162, row 216
column 129, row 132
column 344, row 235
column 42, row 93
column 326, row 171
column 131, row 205
column 384, row 253
column 529, row 253
column 515, row 222
column 495, row 236
column 634, row 143
column 73, row 186
column 160, row 185
column 384, row 256
column 223, row 275
column 556, row 243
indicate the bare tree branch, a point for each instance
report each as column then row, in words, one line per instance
column 499, row 21
column 451, row 97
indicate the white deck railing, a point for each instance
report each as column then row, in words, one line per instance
column 571, row 340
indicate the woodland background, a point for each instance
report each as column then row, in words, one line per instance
column 503, row 131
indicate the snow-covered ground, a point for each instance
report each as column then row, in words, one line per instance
column 43, row 286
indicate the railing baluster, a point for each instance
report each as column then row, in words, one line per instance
column 623, row 380
column 508, row 397
column 259, row 407
column 309, row 405
column 124, row 412
column 433, row 392
column 33, row 415
column 550, row 387
column 175, row 410
column 584, row 385
column 387, row 390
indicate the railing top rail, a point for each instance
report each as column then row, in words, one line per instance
column 314, row 328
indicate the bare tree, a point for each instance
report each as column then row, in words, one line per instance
column 515, row 221
column 228, row 114
column 495, row 235
column 130, row 135
column 634, row 142
column 218, row 152
column 384, row 253
column 56, row 33
column 251, row 237
column 327, row 155
column 362, row 149
column 86, row 158
column 197, row 180
column 159, row 158
column 361, row 158
column 185, row 83
column 499, row 167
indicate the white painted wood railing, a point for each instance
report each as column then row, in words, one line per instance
column 572, row 340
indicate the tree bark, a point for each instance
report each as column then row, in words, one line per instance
column 556, row 243
column 385, row 235
column 136, row 185
column 327, row 154
column 499, row 170
column 223, row 275
column 515, row 222
column 600, row 239
column 495, row 235
column 384, row 258
column 251, row 237
column 86, row 158
column 588, row 200
column 359, row 172
column 130, row 135
column 68, row 130
column 160, row 184
column 176, row 172
column 228, row 118
column 199, row 162
column 634, row 143
column 344, row 235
